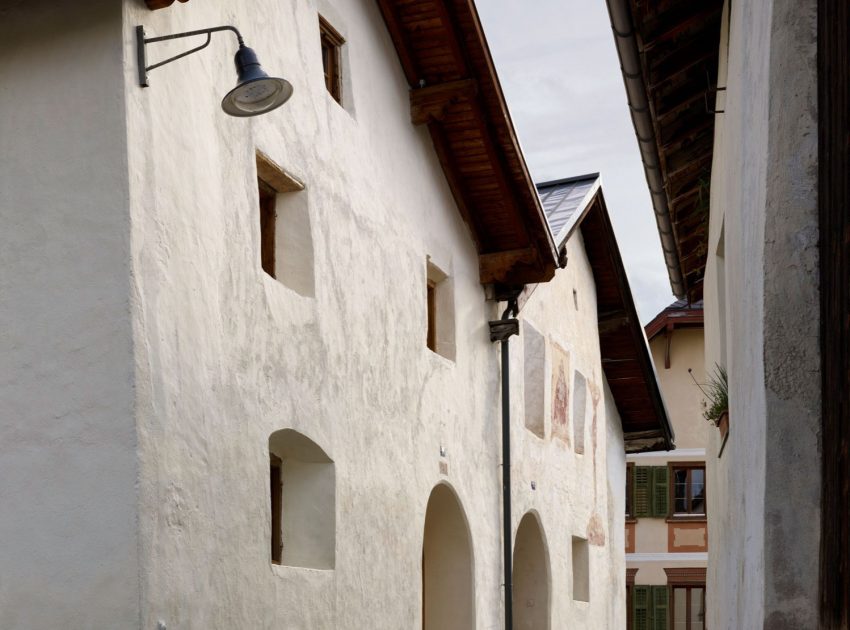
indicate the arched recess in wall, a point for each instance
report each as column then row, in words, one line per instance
column 448, row 589
column 531, row 589
column 303, row 502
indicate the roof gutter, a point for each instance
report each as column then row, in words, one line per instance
column 627, row 50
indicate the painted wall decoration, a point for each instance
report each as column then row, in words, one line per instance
column 560, row 393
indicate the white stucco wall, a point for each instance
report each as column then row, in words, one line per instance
column 679, row 384
column 151, row 358
column 67, row 435
column 763, row 536
column 576, row 494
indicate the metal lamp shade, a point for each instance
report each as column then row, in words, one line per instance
column 255, row 92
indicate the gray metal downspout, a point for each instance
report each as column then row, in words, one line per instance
column 627, row 50
column 501, row 330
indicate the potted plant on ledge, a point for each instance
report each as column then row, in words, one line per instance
column 716, row 392
column 717, row 404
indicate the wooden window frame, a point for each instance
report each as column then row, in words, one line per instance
column 688, row 587
column 431, row 339
column 268, row 220
column 276, row 492
column 834, row 223
column 331, row 42
column 630, row 492
column 687, row 516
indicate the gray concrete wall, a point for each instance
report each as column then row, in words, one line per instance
column 762, row 313
column 68, row 557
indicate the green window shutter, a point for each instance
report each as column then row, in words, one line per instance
column 660, row 491
column 642, row 480
column 640, row 607
column 660, row 606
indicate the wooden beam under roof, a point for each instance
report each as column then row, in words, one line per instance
column 456, row 92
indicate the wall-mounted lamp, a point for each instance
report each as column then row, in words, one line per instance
column 255, row 92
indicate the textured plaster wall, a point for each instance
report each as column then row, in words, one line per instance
column 763, row 537
column 67, row 436
column 225, row 355
column 682, row 396
column 576, row 494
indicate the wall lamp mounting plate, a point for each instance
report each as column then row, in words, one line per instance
column 255, row 92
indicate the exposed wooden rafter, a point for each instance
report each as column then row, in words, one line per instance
column 455, row 92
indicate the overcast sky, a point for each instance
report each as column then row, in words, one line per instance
column 561, row 77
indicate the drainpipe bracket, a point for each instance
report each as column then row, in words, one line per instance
column 502, row 329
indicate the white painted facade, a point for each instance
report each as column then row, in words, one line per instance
column 762, row 313
column 148, row 358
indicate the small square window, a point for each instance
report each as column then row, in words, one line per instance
column 581, row 569
column 440, row 326
column 332, row 43
column 688, row 490
column 286, row 245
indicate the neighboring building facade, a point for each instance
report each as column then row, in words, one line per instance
column 741, row 112
column 249, row 381
column 666, row 516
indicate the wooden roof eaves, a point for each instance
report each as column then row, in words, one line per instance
column 502, row 144
column 626, row 43
column 687, row 24
column 692, row 318
column 662, row 438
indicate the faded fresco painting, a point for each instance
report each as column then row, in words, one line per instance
column 560, row 393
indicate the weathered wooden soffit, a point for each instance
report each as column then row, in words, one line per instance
column 625, row 355
column 455, row 92
column 669, row 52
column 153, row 5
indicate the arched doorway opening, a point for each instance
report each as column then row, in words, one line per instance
column 530, row 576
column 448, row 593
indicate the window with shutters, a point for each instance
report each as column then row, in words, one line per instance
column 687, row 493
column 332, row 43
column 650, row 488
column 650, row 607
column 630, row 500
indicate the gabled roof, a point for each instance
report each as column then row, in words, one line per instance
column 626, row 359
column 680, row 314
column 669, row 53
column 565, row 201
column 455, row 92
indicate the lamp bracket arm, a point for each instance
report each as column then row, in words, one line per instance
column 142, row 42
